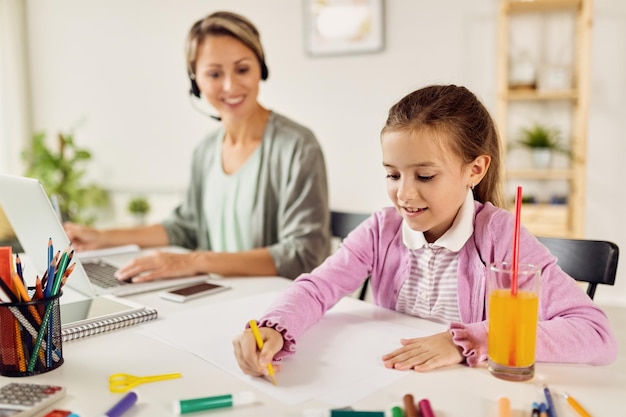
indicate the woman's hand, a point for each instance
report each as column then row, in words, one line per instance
column 424, row 353
column 250, row 360
column 158, row 265
column 83, row 237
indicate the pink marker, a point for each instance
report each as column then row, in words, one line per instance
column 425, row 408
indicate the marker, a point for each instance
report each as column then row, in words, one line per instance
column 315, row 412
column 504, row 407
column 211, row 403
column 426, row 410
column 535, row 410
column 410, row 410
column 576, row 406
column 396, row 411
column 259, row 343
column 550, row 403
column 122, row 405
column 543, row 410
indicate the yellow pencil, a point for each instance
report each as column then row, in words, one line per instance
column 259, row 343
column 19, row 347
column 19, row 288
column 576, row 406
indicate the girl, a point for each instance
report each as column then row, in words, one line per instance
column 427, row 255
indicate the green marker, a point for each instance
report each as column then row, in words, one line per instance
column 211, row 403
column 397, row 412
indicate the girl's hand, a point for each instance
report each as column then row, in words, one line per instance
column 250, row 360
column 425, row 353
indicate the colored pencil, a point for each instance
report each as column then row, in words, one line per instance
column 259, row 343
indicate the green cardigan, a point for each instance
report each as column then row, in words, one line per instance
column 290, row 215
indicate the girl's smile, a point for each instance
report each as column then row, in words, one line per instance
column 413, row 211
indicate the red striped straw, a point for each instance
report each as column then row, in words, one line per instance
column 515, row 264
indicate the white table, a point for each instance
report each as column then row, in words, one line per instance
column 453, row 391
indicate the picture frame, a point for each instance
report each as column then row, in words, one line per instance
column 341, row 27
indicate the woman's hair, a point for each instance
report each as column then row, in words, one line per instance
column 459, row 115
column 224, row 23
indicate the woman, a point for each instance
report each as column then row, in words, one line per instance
column 257, row 203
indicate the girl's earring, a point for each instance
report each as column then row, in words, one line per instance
column 473, row 186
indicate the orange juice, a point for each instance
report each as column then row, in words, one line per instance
column 512, row 327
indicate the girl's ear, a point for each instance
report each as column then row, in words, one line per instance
column 479, row 168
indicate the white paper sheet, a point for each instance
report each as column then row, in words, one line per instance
column 333, row 357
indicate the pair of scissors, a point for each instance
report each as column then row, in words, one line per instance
column 126, row 382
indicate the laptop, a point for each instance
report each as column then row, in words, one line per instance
column 34, row 221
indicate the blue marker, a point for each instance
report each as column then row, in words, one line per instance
column 122, row 405
column 211, row 403
column 535, row 412
column 551, row 410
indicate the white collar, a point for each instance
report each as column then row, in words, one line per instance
column 454, row 238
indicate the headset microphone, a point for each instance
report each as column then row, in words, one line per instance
column 195, row 91
column 199, row 110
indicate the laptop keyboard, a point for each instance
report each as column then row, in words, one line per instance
column 102, row 274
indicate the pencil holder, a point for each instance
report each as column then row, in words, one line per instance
column 30, row 337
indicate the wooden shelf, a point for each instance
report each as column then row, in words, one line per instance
column 516, row 103
column 546, row 219
column 527, row 6
column 539, row 95
column 541, row 174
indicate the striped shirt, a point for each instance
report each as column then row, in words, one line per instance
column 430, row 291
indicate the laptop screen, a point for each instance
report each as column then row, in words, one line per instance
column 34, row 221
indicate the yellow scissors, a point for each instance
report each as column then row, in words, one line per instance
column 126, row 382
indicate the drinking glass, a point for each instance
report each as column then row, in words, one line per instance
column 512, row 318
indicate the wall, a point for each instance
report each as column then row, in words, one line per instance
column 115, row 69
column 15, row 120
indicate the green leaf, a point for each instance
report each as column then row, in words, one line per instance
column 61, row 171
column 538, row 136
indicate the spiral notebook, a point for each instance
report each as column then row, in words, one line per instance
column 101, row 314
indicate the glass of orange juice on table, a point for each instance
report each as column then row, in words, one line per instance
column 512, row 318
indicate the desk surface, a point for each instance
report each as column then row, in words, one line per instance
column 453, row 391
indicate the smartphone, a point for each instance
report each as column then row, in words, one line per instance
column 189, row 292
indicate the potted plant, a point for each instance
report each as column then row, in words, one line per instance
column 139, row 207
column 542, row 141
column 61, row 172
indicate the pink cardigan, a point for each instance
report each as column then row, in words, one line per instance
column 572, row 329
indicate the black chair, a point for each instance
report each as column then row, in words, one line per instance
column 342, row 223
column 591, row 261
